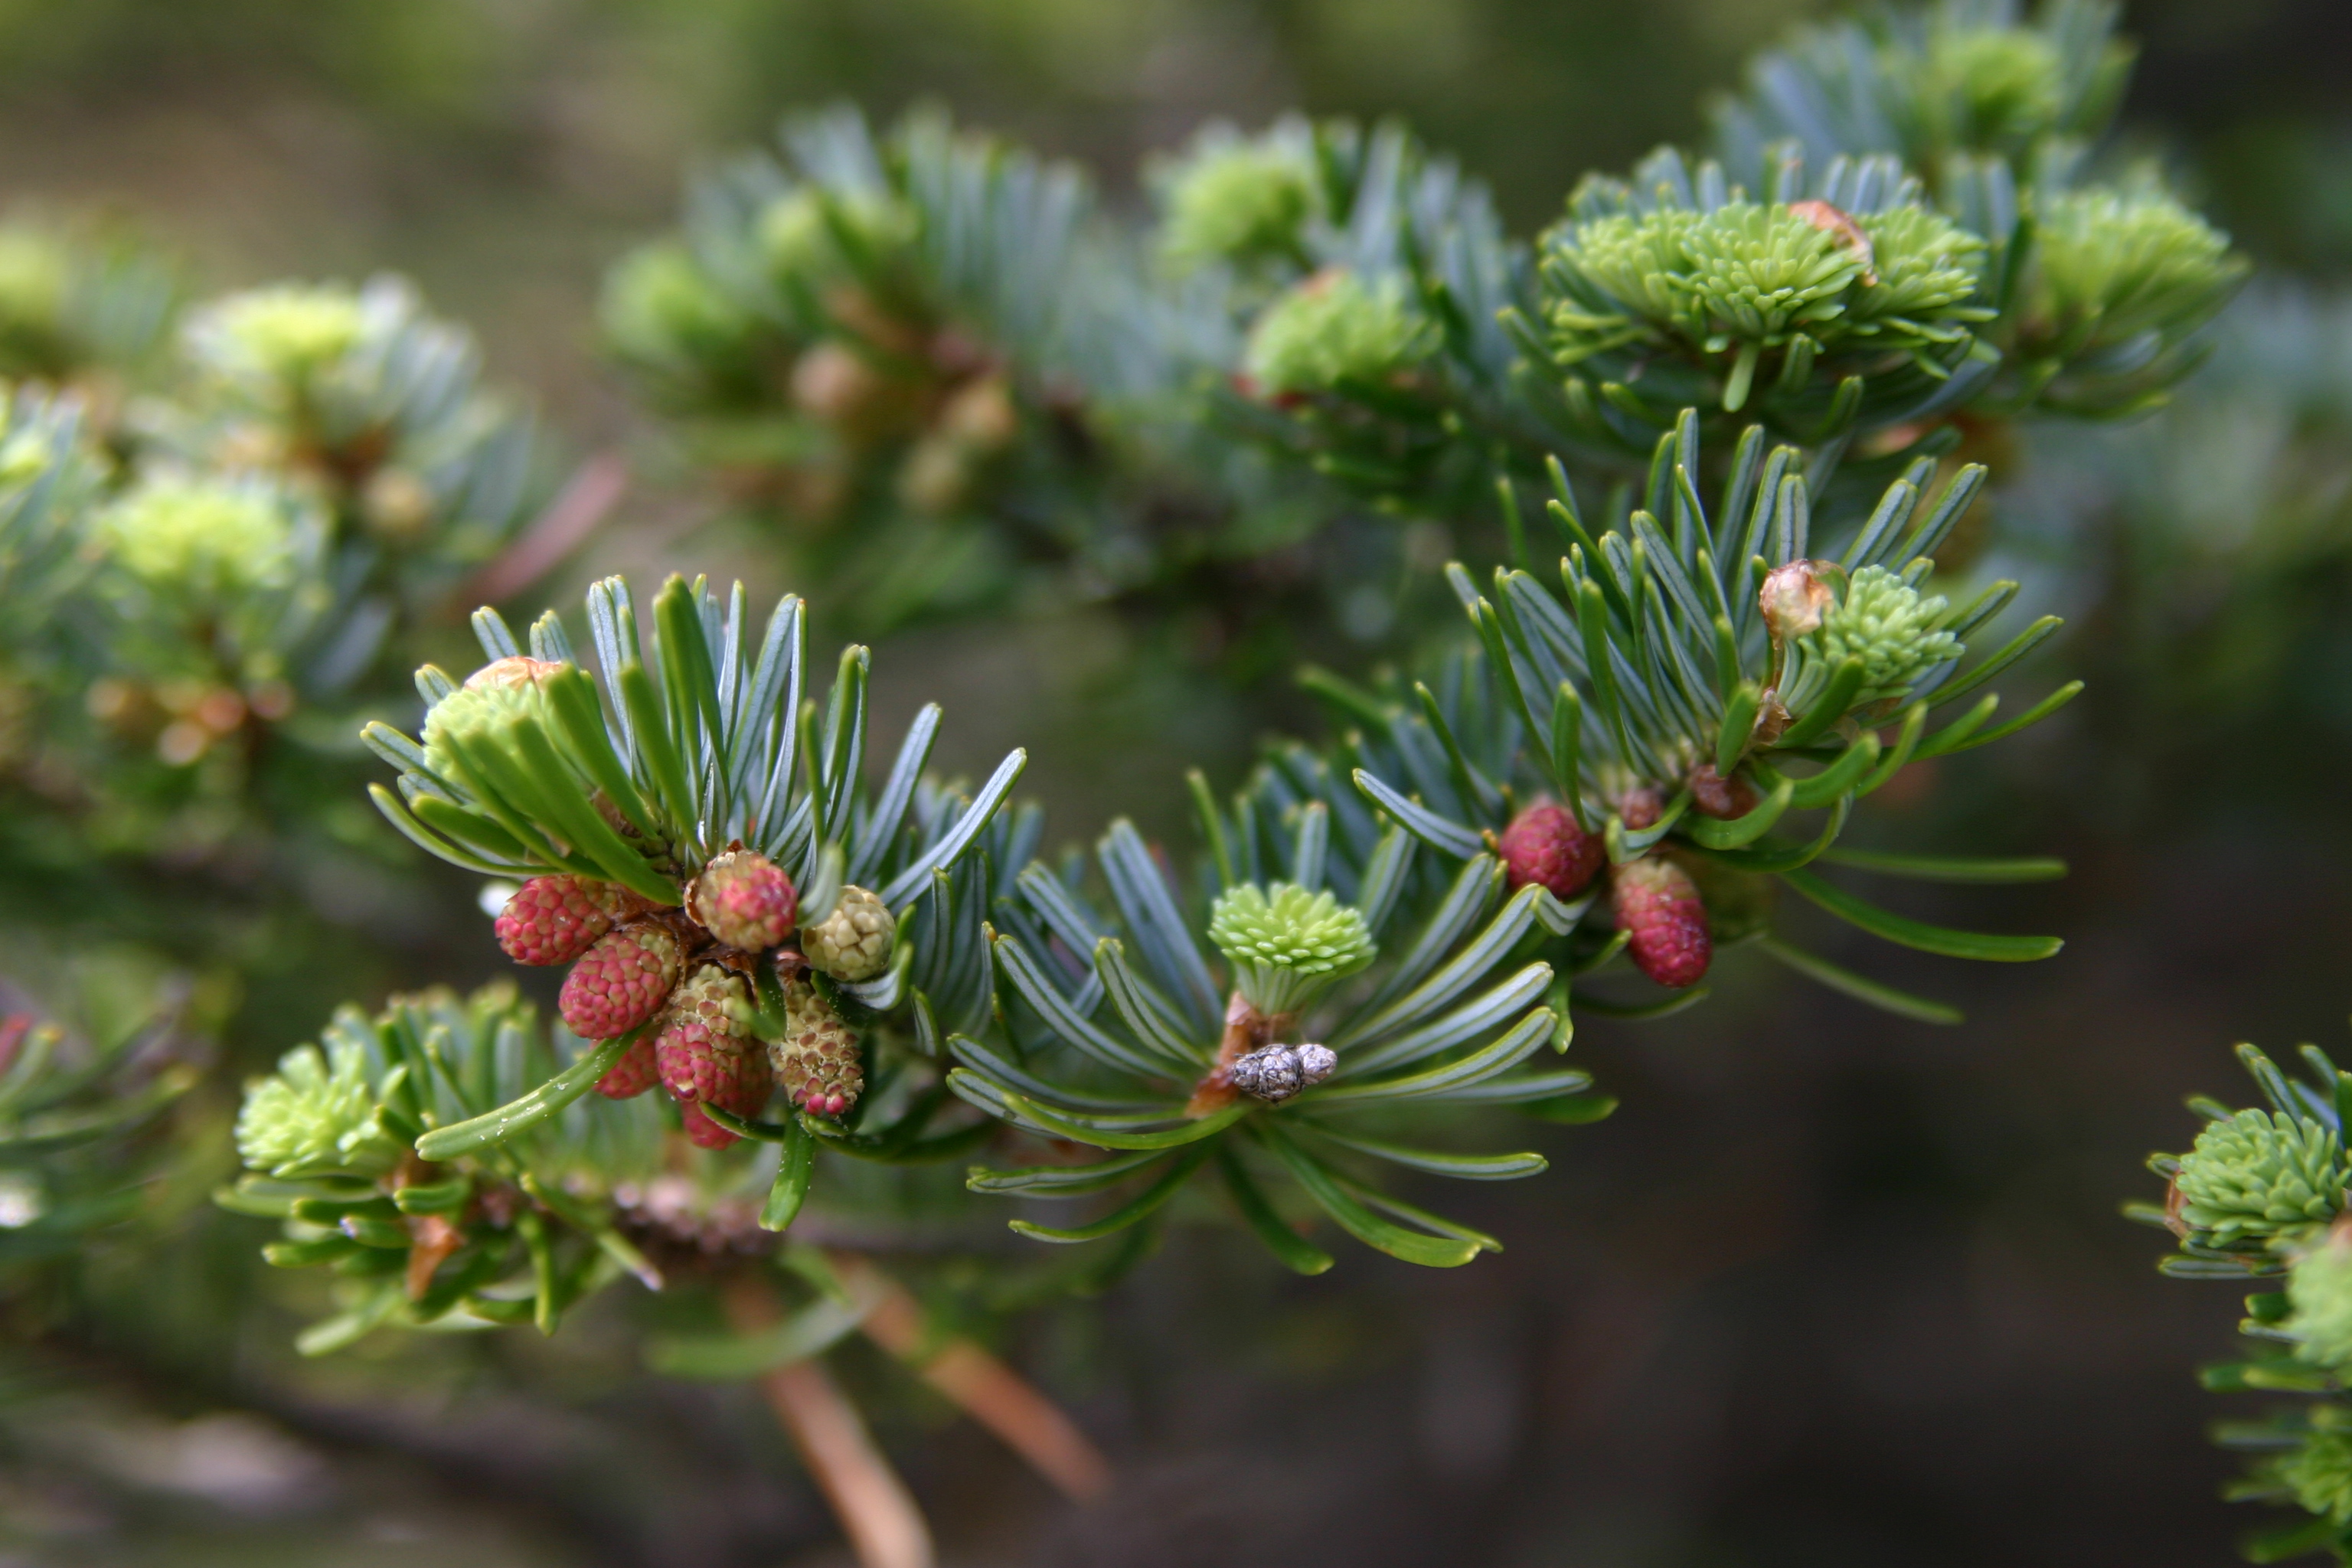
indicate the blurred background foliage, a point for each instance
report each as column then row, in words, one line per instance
column 1833, row 1288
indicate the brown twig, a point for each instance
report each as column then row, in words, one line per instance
column 884, row 1527
column 983, row 1387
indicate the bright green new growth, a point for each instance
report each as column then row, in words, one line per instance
column 201, row 539
column 793, row 234
column 314, row 1115
column 25, row 455
column 2257, row 1174
column 1930, row 81
column 1892, row 627
column 2113, row 264
column 1760, row 273
column 1987, row 86
column 32, row 276
column 2320, row 1290
column 1752, row 276
column 1331, row 330
column 474, row 709
column 659, row 304
column 1927, row 267
column 1242, row 203
column 1640, row 262
column 284, row 333
column 1763, row 274
column 1757, row 273
column 1287, row 944
column 2258, row 1194
column 2318, row 1471
column 38, row 273
column 800, row 239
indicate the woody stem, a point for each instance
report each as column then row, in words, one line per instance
column 983, row 1387
column 884, row 1527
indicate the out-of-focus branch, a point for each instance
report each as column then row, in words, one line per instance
column 986, row 1389
column 594, row 491
column 883, row 1526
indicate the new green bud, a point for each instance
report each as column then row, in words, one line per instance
column 284, row 333
column 1748, row 277
column 1241, row 202
column 25, row 455
column 1763, row 272
column 34, row 273
column 202, row 539
column 503, row 690
column 1331, row 329
column 1924, row 269
column 800, row 241
column 660, row 309
column 2318, row 1471
column 1990, row 88
column 2319, row 1290
column 315, row 1114
column 2257, row 1175
column 1895, row 630
column 2112, row 264
column 1287, row 944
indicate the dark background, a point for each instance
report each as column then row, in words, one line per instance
column 1829, row 1289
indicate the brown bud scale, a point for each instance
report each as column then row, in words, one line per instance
column 1714, row 795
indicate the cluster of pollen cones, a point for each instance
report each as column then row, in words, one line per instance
column 689, row 972
column 1655, row 901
